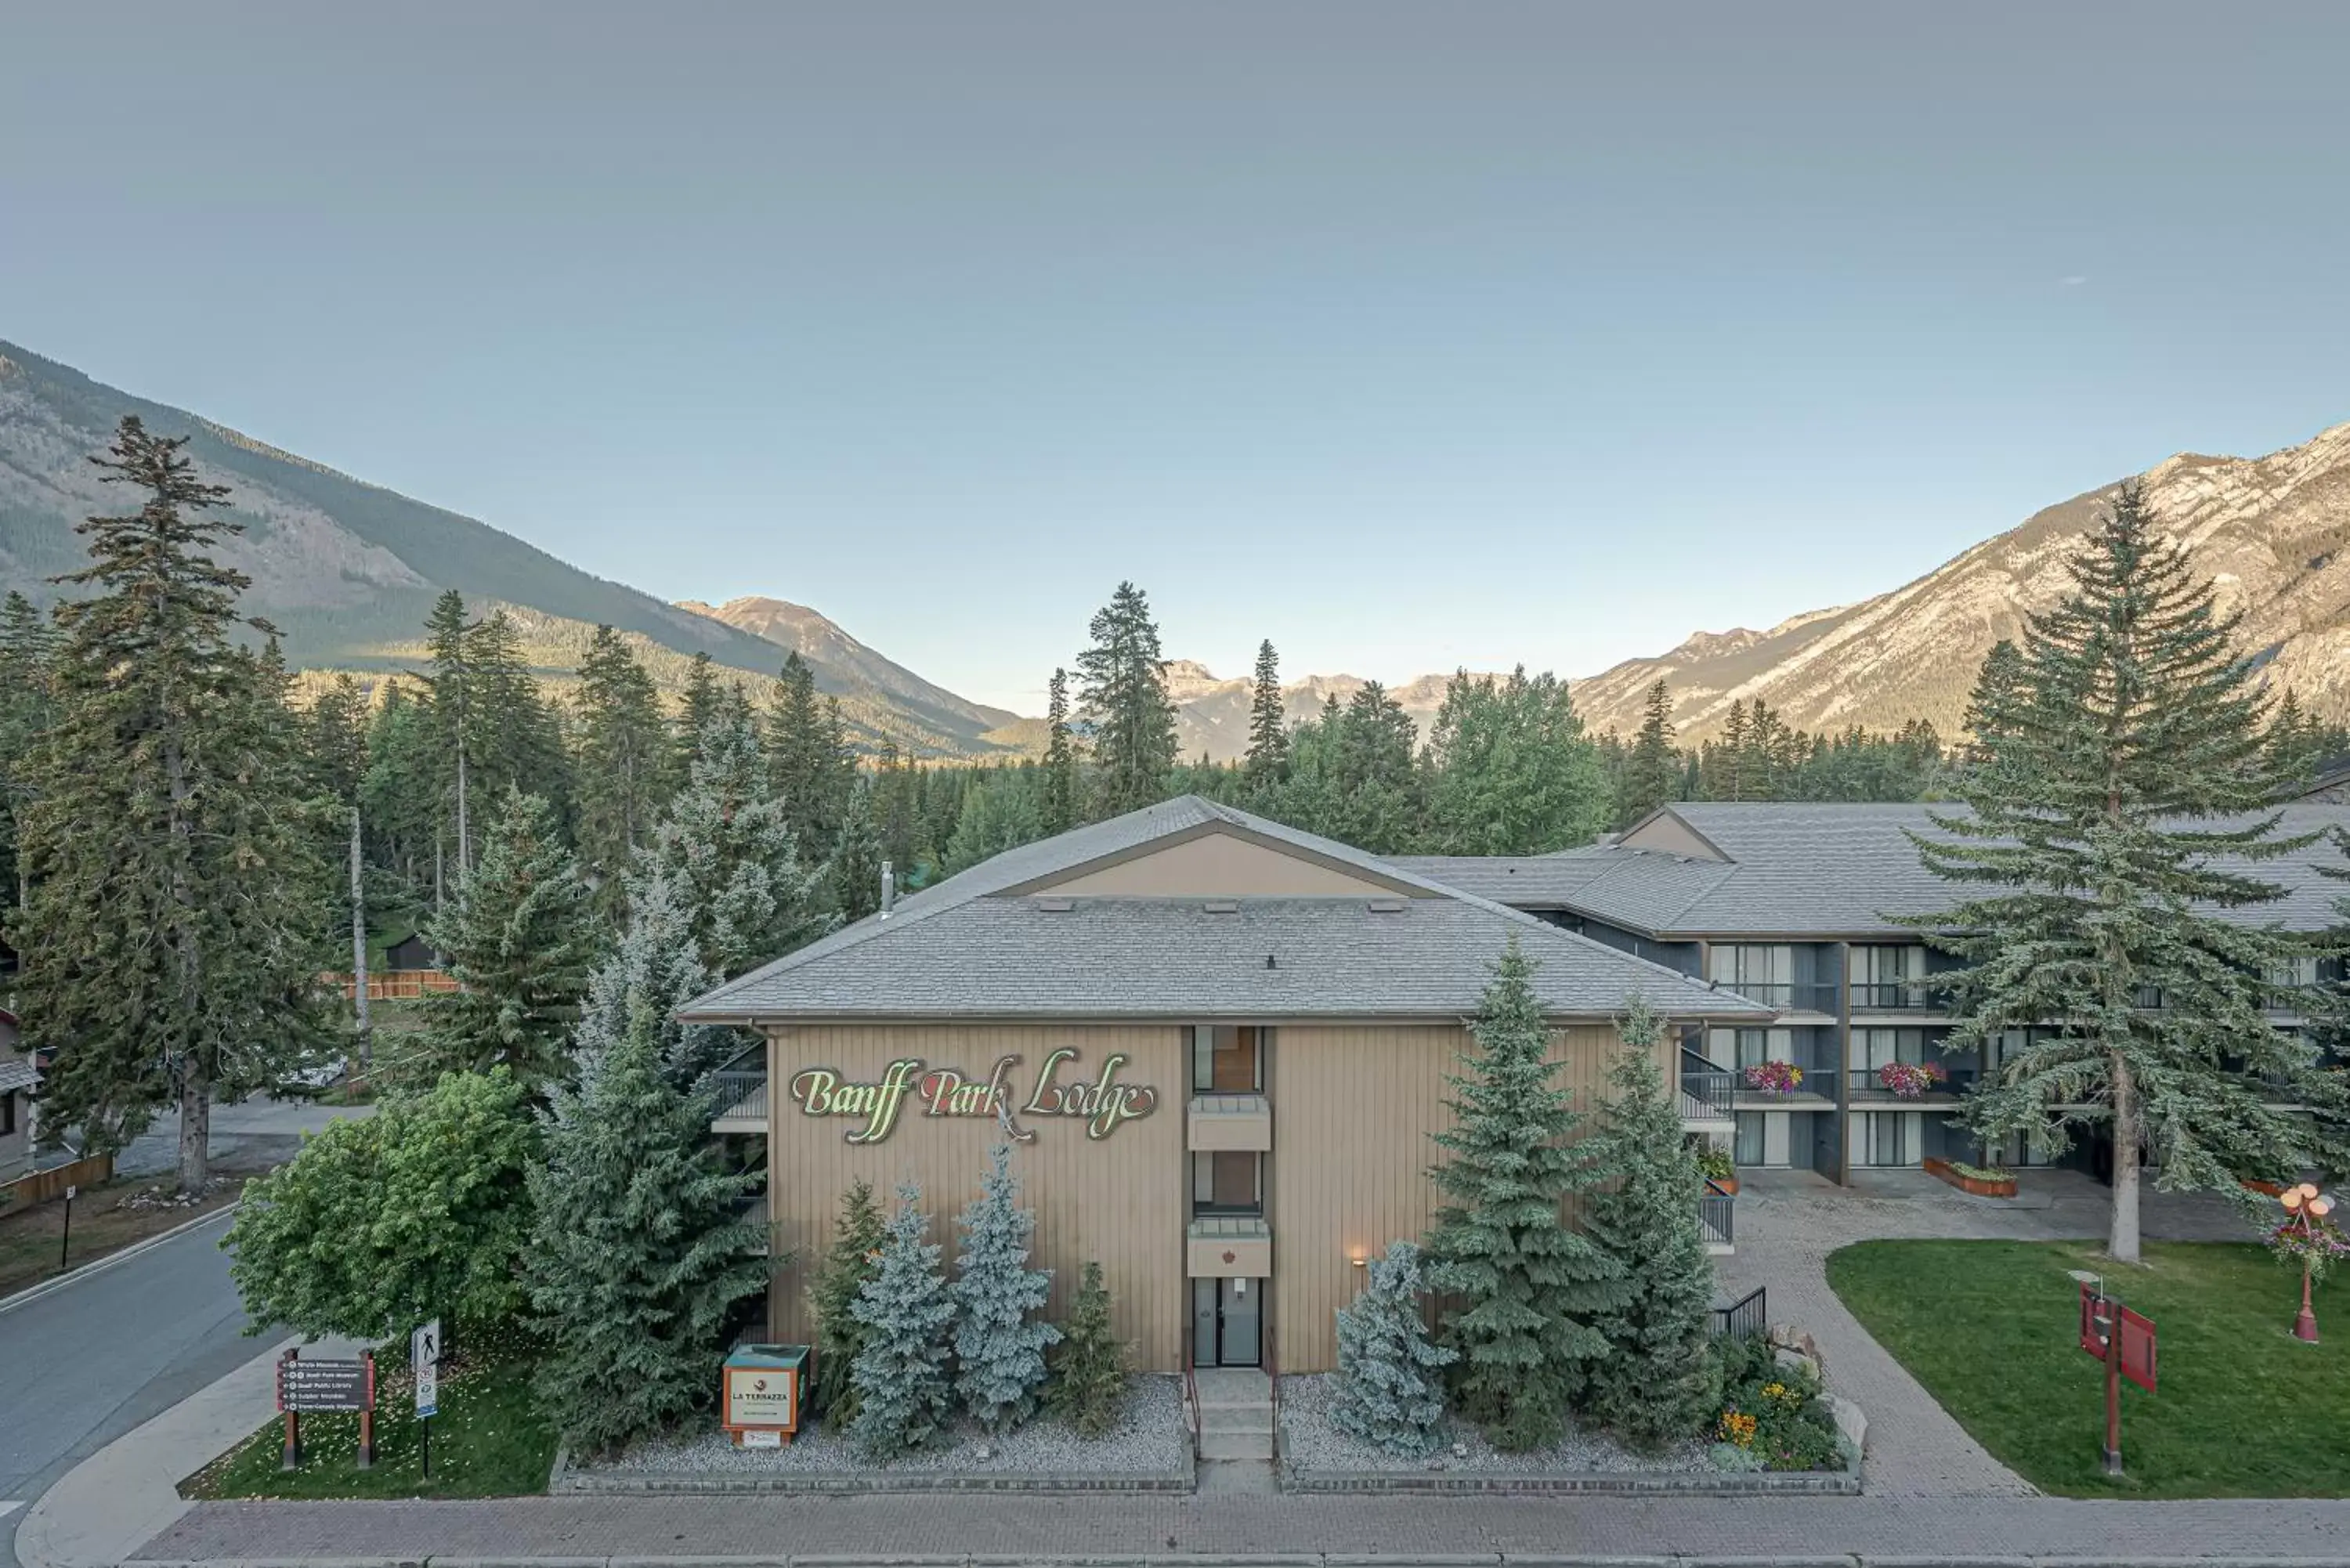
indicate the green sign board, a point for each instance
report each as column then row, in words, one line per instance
column 1059, row 1089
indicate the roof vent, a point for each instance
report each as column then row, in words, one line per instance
column 1222, row 905
column 1386, row 905
column 1056, row 906
column 1269, row 963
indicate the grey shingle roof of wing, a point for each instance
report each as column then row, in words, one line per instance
column 1826, row 869
column 970, row 948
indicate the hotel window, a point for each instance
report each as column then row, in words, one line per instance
column 1227, row 1182
column 1764, row 973
column 1886, row 976
column 1755, row 1046
column 2293, row 973
column 7, row 1113
column 1873, row 1048
column 1226, row 1060
column 1889, row 1137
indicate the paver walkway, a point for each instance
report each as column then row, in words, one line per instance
column 1789, row 1222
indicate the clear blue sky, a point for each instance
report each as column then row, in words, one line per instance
column 1408, row 336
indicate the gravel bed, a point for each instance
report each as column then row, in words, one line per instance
column 1310, row 1443
column 1149, row 1438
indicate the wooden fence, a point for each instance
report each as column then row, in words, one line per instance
column 393, row 984
column 44, row 1185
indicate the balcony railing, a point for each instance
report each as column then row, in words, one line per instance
column 742, row 1093
column 1897, row 996
column 1793, row 996
column 1707, row 1090
column 1744, row 1318
column 1716, row 1215
column 1864, row 1084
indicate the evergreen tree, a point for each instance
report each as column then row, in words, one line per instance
column 897, row 814
column 999, row 1341
column 851, row 1260
column 1268, row 747
column 642, row 1256
column 2000, row 702
column 1656, row 1383
column 450, row 691
column 337, row 754
column 1087, row 1382
column 857, row 860
column 626, row 764
column 1528, row 1289
column 1389, row 1391
column 517, row 740
column 811, row 773
column 398, row 798
column 1652, row 770
column 1729, row 782
column 728, row 852
column 695, row 710
column 1001, row 810
column 28, row 646
column 178, row 917
column 518, row 939
column 657, row 957
column 1122, row 690
column 2129, row 750
column 904, row 1398
column 1060, row 793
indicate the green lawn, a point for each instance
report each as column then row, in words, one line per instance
column 489, row 1440
column 1990, row 1329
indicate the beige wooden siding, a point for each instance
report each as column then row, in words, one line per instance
column 1352, row 1110
column 1121, row 1200
column 1219, row 863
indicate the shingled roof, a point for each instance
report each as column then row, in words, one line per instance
column 1812, row 870
column 980, row 945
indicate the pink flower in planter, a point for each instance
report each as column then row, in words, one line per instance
column 1775, row 1077
column 1909, row 1080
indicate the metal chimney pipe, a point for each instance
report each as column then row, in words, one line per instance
column 889, row 889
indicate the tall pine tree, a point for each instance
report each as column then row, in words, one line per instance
column 519, row 939
column 2129, row 758
column 642, row 1255
column 1656, row 1383
column 1267, row 762
column 178, row 916
column 28, row 646
column 1122, row 690
column 1652, row 770
column 811, row 771
column 1527, row 1289
column 1060, row 793
column 626, row 772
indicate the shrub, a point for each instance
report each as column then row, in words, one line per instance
column 1088, row 1367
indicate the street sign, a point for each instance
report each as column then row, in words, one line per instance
column 424, row 1358
column 326, row 1386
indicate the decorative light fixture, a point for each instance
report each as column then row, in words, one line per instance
column 2310, row 1236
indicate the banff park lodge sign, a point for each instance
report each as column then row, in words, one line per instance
column 910, row 1087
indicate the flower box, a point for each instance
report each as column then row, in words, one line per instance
column 1910, row 1080
column 1983, row 1186
column 1775, row 1077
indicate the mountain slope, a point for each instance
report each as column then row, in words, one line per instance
column 348, row 569
column 825, row 645
column 1211, row 715
column 2271, row 531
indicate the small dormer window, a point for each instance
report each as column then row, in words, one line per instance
column 1222, row 905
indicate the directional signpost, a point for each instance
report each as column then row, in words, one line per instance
column 425, row 1359
column 2125, row 1342
column 347, row 1385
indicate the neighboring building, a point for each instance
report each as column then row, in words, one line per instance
column 1793, row 905
column 1222, row 1042
column 409, row 953
column 18, row 1076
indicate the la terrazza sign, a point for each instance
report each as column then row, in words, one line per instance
column 1059, row 1089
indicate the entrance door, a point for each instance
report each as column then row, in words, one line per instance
column 1226, row 1319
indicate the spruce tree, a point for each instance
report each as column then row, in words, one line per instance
column 1652, row 770
column 999, row 1341
column 851, row 1260
column 904, row 1397
column 642, row 1255
column 1060, row 787
column 450, row 689
column 517, row 742
column 727, row 851
column 519, row 940
column 855, row 872
column 656, row 957
column 810, row 772
column 1268, row 749
column 1086, row 1381
column 28, row 646
column 1389, row 1389
column 1656, row 1383
column 1122, row 688
column 178, row 917
column 626, row 771
column 2130, row 757
column 695, row 710
column 1527, row 1288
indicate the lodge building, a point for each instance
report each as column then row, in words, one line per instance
column 1220, row 1045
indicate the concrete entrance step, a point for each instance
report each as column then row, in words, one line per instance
column 1237, row 1476
column 1236, row 1417
column 1216, row 1445
column 1232, row 1385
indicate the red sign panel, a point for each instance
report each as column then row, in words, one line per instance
column 2101, row 1316
column 2137, row 1349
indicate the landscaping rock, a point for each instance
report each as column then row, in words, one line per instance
column 1310, row 1443
column 1850, row 1422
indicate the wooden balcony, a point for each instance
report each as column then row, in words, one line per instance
column 1228, row 1122
column 1228, row 1246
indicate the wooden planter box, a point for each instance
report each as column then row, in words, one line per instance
column 2003, row 1187
column 2268, row 1189
column 1726, row 1183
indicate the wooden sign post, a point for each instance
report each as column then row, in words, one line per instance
column 348, row 1386
column 2125, row 1342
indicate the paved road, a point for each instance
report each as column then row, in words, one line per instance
column 252, row 1135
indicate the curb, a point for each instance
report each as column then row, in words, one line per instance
column 32, row 1293
column 1225, row 1559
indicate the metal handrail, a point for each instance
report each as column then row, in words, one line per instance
column 1749, row 1315
column 1706, row 1084
column 1716, row 1211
